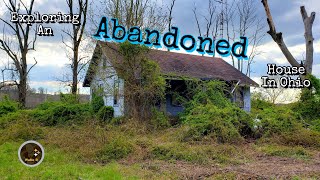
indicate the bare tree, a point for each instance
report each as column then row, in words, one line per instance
column 209, row 18
column 278, row 95
column 170, row 14
column 75, row 35
column 41, row 90
column 231, row 19
column 17, row 44
column 273, row 94
column 142, row 13
column 241, row 19
column 278, row 38
column 170, row 9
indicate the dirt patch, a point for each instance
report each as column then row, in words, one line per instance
column 263, row 167
column 278, row 167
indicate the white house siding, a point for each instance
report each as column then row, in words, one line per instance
column 107, row 79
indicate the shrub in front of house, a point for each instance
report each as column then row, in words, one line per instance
column 105, row 114
column 209, row 113
column 209, row 120
column 55, row 113
column 97, row 103
column 159, row 120
column 144, row 84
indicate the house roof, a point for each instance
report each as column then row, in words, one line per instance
column 178, row 64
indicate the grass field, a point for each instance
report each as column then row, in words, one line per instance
column 80, row 145
column 91, row 151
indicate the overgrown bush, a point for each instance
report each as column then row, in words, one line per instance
column 208, row 119
column 277, row 119
column 159, row 119
column 289, row 124
column 207, row 92
column 258, row 104
column 144, row 85
column 69, row 98
column 97, row 103
column 7, row 119
column 209, row 112
column 316, row 125
column 54, row 113
column 105, row 113
column 309, row 104
column 118, row 148
column 8, row 106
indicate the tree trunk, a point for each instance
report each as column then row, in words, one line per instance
column 74, row 87
column 22, row 89
column 308, row 22
column 21, row 33
column 277, row 37
column 22, row 86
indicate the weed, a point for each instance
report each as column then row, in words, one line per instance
column 22, row 129
column 85, row 140
column 118, row 148
column 175, row 151
column 302, row 137
column 97, row 103
column 283, row 151
column 105, row 114
column 159, row 120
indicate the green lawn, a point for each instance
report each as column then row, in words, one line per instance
column 56, row 165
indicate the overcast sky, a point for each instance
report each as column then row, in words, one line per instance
column 52, row 59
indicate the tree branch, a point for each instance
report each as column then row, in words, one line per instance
column 277, row 36
column 36, row 62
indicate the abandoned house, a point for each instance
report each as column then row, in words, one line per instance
column 101, row 75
